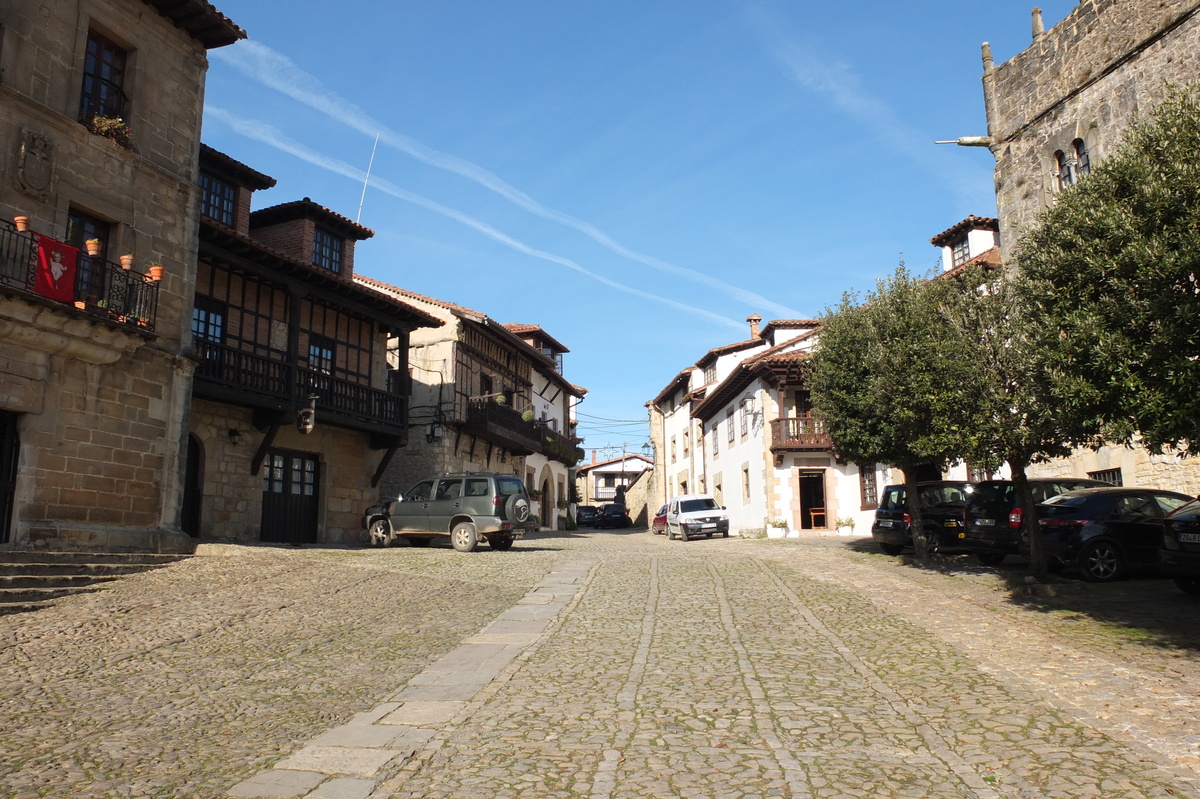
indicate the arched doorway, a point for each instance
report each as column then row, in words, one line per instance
column 548, row 505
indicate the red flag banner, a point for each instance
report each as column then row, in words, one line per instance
column 56, row 269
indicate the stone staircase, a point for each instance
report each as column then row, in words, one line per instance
column 31, row 580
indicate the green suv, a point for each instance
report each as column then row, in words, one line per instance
column 466, row 508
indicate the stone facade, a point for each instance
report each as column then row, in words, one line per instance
column 1083, row 80
column 99, row 402
column 1073, row 92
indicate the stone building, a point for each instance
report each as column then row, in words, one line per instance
column 1064, row 102
column 101, row 121
column 296, row 410
column 485, row 398
column 1059, row 107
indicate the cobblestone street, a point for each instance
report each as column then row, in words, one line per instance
column 599, row 664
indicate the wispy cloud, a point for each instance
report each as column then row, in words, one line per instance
column 271, row 136
column 803, row 60
column 278, row 72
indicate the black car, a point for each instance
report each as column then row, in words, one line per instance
column 1180, row 552
column 992, row 517
column 942, row 503
column 585, row 515
column 1103, row 532
column 612, row 515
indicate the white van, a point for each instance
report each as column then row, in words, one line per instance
column 693, row 515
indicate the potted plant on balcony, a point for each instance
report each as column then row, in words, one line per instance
column 127, row 262
column 112, row 128
column 22, row 223
column 93, row 247
column 154, row 271
column 534, row 493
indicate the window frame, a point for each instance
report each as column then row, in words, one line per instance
column 868, row 488
column 102, row 90
column 328, row 250
column 219, row 206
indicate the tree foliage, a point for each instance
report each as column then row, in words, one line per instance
column 1113, row 270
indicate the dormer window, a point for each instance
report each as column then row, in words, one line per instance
column 218, row 200
column 960, row 253
column 710, row 374
column 327, row 251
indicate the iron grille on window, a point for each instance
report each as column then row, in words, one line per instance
column 327, row 251
column 1112, row 476
column 217, row 200
column 103, row 79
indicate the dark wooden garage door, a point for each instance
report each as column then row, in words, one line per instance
column 291, row 498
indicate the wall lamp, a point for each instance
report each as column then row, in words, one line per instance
column 235, row 436
column 306, row 418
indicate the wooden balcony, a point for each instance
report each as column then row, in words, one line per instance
column 101, row 288
column 503, row 426
column 226, row 374
column 804, row 433
column 558, row 447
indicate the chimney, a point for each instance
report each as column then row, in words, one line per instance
column 754, row 319
column 593, row 456
column 1039, row 28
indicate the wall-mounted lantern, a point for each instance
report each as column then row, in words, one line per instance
column 235, row 436
column 306, row 418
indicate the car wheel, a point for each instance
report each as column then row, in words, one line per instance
column 708, row 535
column 725, row 534
column 381, row 533
column 464, row 537
column 990, row 558
column 683, row 533
column 516, row 509
column 501, row 542
column 1188, row 585
column 933, row 543
column 1101, row 562
column 891, row 549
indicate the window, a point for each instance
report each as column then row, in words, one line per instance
column 1064, row 170
column 729, row 424
column 1108, row 475
column 710, row 374
column 977, row 474
column 610, row 481
column 746, row 403
column 867, row 488
column 687, row 443
column 90, row 275
column 103, row 79
column 960, row 252
column 485, row 385
column 327, row 251
column 1083, row 164
column 672, row 449
column 208, row 320
column 718, row 489
column 320, row 354
column 217, row 200
column 746, row 483
column 716, row 438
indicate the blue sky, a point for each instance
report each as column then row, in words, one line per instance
column 635, row 177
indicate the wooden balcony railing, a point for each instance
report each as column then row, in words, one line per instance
column 804, row 432
column 101, row 288
column 236, row 372
column 502, row 425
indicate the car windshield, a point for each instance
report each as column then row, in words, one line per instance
column 893, row 499
column 691, row 505
column 940, row 496
column 989, row 493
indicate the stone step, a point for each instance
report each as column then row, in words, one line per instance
column 31, row 580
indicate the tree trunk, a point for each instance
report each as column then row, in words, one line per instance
column 1029, row 519
column 917, row 523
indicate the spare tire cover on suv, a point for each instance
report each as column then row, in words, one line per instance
column 516, row 509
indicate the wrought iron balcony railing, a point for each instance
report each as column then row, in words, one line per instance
column 100, row 288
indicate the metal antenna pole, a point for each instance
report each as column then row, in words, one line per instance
column 370, row 164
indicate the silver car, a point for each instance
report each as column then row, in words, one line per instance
column 467, row 508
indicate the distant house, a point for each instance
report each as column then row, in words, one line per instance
column 739, row 426
column 485, row 398
column 604, row 481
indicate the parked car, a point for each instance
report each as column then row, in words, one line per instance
column 1180, row 552
column 466, row 508
column 696, row 514
column 585, row 515
column 612, row 515
column 992, row 517
column 1104, row 531
column 659, row 524
column 942, row 503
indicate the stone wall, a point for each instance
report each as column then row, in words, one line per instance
column 1086, row 78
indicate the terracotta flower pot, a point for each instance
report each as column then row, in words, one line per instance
column 93, row 247
column 155, row 272
column 127, row 262
column 22, row 223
